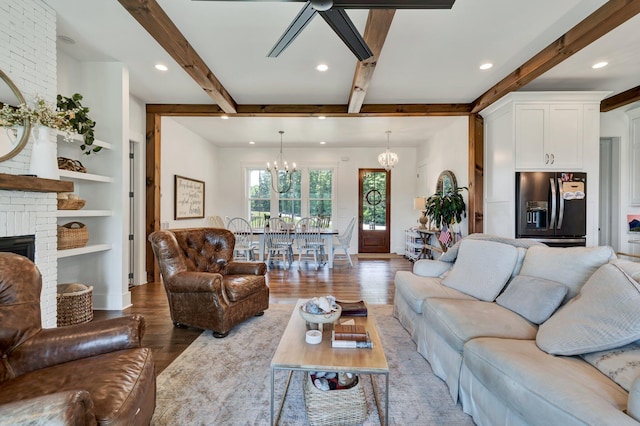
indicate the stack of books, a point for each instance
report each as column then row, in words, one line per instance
column 350, row 336
column 353, row 309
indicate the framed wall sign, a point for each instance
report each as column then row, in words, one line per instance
column 189, row 198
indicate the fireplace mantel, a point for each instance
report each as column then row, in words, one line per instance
column 33, row 184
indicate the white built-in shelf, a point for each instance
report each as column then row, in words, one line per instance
column 84, row 213
column 93, row 248
column 85, row 176
column 75, row 138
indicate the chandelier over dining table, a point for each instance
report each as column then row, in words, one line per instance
column 281, row 173
column 388, row 159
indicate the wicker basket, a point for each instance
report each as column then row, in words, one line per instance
column 71, row 204
column 71, row 165
column 334, row 407
column 72, row 235
column 74, row 304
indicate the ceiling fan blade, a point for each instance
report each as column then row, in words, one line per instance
column 337, row 19
column 304, row 17
column 394, row 4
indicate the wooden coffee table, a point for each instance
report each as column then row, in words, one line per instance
column 294, row 353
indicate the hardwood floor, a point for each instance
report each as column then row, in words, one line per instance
column 369, row 279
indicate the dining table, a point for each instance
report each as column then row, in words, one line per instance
column 326, row 234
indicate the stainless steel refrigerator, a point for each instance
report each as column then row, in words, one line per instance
column 551, row 207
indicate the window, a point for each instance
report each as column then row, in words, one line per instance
column 311, row 194
column 259, row 195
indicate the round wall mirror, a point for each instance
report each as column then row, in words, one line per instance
column 12, row 139
column 446, row 182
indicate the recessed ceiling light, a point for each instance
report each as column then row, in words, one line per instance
column 252, row 143
column 486, row 66
column 322, row 67
column 66, row 39
column 224, row 117
column 321, row 117
column 161, row 67
column 599, row 65
column 323, row 143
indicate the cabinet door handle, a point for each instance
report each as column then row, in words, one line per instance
column 546, row 159
column 553, row 159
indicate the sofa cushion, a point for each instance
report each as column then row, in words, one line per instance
column 571, row 266
column 605, row 315
column 622, row 364
column 533, row 298
column 458, row 321
column 482, row 268
column 430, row 268
column 414, row 289
column 545, row 389
column 631, row 268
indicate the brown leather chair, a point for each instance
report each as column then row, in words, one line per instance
column 86, row 374
column 206, row 288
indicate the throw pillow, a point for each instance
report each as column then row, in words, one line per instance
column 622, row 365
column 532, row 298
column 605, row 315
column 482, row 268
column 571, row 266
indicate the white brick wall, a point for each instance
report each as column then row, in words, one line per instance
column 28, row 57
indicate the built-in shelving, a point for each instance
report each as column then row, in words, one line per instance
column 92, row 248
column 76, row 138
column 84, row 213
column 85, row 176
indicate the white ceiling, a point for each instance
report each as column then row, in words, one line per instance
column 430, row 56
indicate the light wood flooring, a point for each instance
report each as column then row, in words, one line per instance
column 369, row 279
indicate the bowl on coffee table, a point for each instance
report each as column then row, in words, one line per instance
column 321, row 318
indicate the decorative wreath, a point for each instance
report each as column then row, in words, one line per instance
column 376, row 195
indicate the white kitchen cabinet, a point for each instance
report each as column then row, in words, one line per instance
column 539, row 131
column 548, row 136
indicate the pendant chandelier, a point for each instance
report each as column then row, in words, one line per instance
column 281, row 175
column 388, row 159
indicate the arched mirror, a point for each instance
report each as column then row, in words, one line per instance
column 446, row 182
column 12, row 139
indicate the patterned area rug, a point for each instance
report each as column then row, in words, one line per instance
column 228, row 381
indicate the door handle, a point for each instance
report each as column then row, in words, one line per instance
column 561, row 214
column 552, row 222
column 553, row 159
column 546, row 159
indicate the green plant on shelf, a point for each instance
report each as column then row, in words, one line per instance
column 446, row 208
column 80, row 121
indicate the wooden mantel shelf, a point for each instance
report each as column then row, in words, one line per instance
column 33, row 184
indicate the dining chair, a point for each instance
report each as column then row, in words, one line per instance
column 344, row 242
column 279, row 241
column 257, row 222
column 309, row 242
column 215, row 222
column 324, row 221
column 245, row 246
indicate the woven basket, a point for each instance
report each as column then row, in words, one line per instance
column 72, row 165
column 71, row 204
column 72, row 235
column 334, row 407
column 74, row 304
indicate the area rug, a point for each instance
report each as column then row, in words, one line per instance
column 228, row 381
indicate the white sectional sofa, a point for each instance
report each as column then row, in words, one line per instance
column 525, row 334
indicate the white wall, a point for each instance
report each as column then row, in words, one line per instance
column 616, row 124
column 447, row 150
column 184, row 153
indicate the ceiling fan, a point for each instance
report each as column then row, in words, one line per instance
column 333, row 12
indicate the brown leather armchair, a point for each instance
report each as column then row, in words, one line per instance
column 86, row 374
column 205, row 287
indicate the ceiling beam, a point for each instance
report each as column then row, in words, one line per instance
column 375, row 34
column 621, row 99
column 606, row 18
column 369, row 110
column 152, row 18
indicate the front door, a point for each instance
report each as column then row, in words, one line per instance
column 374, row 189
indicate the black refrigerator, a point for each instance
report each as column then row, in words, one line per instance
column 551, row 207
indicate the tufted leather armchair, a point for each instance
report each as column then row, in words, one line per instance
column 86, row 374
column 205, row 287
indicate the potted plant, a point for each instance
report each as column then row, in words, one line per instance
column 80, row 121
column 446, row 208
column 42, row 114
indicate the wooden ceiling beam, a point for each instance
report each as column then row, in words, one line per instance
column 153, row 19
column 375, row 34
column 621, row 99
column 369, row 110
column 612, row 14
